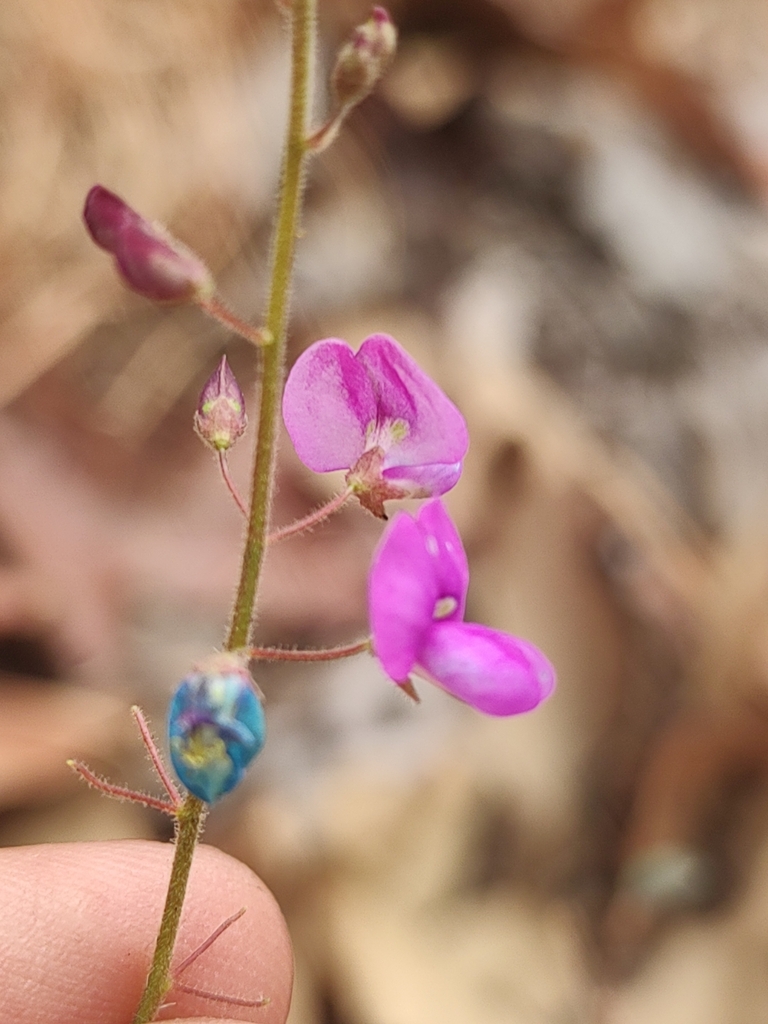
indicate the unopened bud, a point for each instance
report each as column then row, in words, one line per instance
column 150, row 260
column 220, row 417
column 363, row 59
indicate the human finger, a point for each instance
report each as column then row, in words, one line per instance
column 78, row 924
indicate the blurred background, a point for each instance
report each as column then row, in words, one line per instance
column 559, row 207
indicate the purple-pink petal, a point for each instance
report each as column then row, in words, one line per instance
column 154, row 269
column 339, row 406
column 402, row 591
column 491, row 671
column 437, row 432
column 448, row 560
column 424, row 481
column 107, row 216
column 327, row 403
column 149, row 259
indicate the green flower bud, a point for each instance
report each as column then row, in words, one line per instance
column 364, row 58
column 220, row 416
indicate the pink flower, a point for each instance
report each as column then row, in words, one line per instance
column 375, row 413
column 417, row 591
column 149, row 259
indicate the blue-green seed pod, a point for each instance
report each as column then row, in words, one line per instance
column 216, row 727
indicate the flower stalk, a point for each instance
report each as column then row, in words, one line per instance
column 313, row 519
column 322, row 654
column 372, row 413
column 189, row 820
column 190, row 815
column 283, row 249
column 230, row 484
column 217, row 310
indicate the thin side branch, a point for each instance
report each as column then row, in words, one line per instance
column 324, row 654
column 207, row 943
column 311, row 520
column 155, row 756
column 230, row 483
column 217, row 998
column 215, row 308
column 121, row 792
column 198, row 952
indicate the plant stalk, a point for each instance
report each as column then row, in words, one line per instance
column 191, row 813
column 276, row 322
column 189, row 820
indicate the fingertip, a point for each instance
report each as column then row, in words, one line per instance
column 78, row 924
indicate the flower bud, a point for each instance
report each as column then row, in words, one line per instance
column 150, row 260
column 363, row 59
column 220, row 416
column 216, row 726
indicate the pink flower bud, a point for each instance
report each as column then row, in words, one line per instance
column 363, row 59
column 220, row 417
column 150, row 260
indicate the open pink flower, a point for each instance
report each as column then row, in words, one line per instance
column 417, row 591
column 375, row 413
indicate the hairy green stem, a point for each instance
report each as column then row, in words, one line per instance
column 283, row 246
column 191, row 813
column 189, row 821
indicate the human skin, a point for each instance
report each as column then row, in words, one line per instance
column 78, row 924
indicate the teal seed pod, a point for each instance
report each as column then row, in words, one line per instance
column 216, row 726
